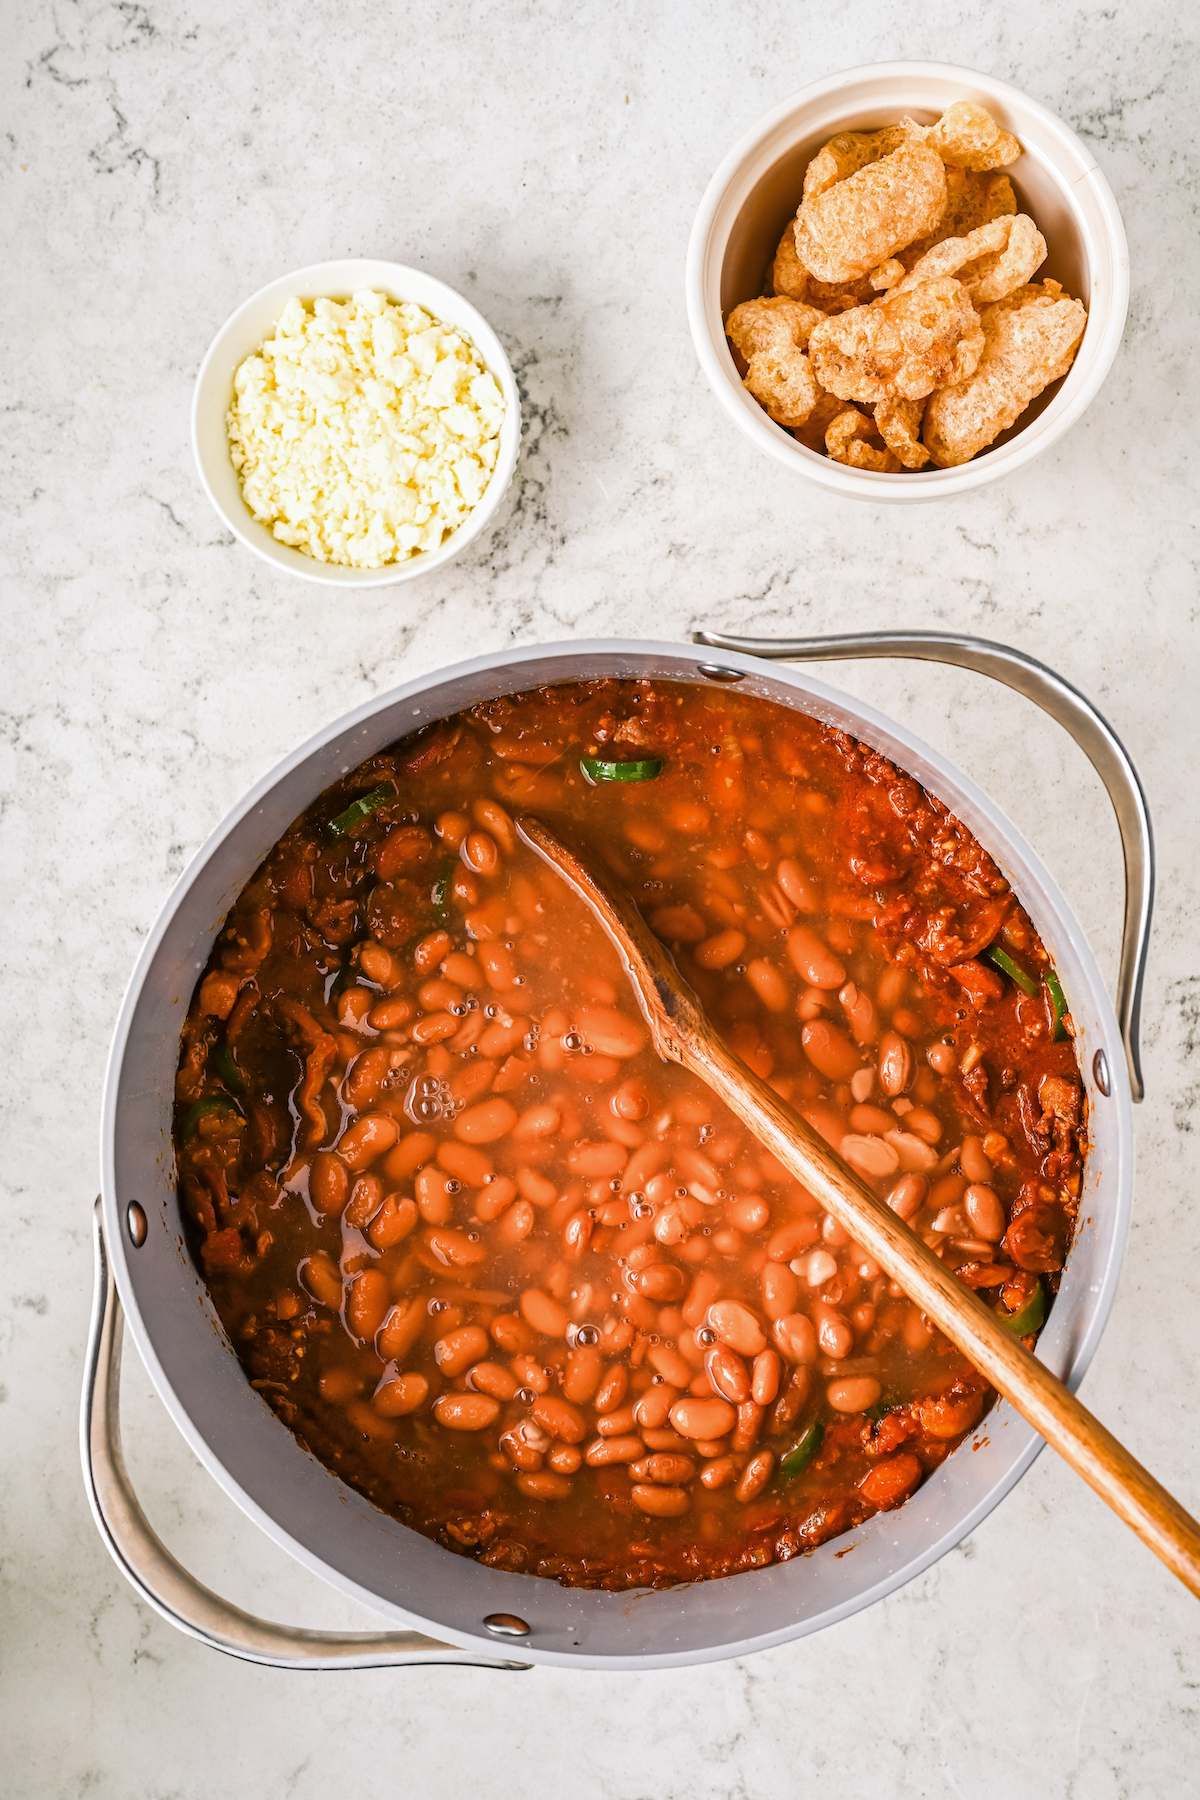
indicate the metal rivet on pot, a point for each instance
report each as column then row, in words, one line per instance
column 716, row 672
column 506, row 1625
column 135, row 1224
column 1100, row 1071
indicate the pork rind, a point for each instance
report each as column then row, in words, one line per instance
column 790, row 278
column 847, row 153
column 853, row 226
column 1030, row 340
column 888, row 275
column 783, row 383
column 852, row 439
column 770, row 325
column 990, row 262
column 898, row 423
column 971, row 201
column 812, row 432
column 967, row 136
column 900, row 348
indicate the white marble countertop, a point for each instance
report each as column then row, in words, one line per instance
column 162, row 161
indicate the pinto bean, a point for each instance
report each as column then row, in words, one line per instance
column 434, row 1201
column 321, row 1276
column 328, row 1182
column 853, row 1393
column 559, row 1418
column 367, row 1139
column 797, row 886
column 765, row 1377
column 577, row 1234
column 392, row 1223
column 796, row 1336
column 366, row 1198
column 719, row 1472
column 727, row 1374
column 498, row 965
column 755, row 1476
column 545, row 1484
column 768, row 983
column 871, row 1156
column 498, row 1194
column 780, row 1290
column 702, row 1418
column 630, row 1101
column 494, row 1379
column 737, row 1327
column 720, row 950
column 660, row 1502
column 397, row 1398
column 583, row 1373
column 409, row 1154
column 604, row 1451
column 367, row 1303
column 366, row 1075
column 455, row 1352
column 465, row 1163
column 543, row 1313
column 612, row 1390
column 813, row 961
column 790, row 1240
column 749, row 1424
column 704, row 1290
column 669, row 1364
column 454, row 1248
column 530, row 1374
column 664, row 1469
column 973, row 1160
column 609, row 1032
column 524, row 1446
column 434, row 1028
column 513, row 1334
column 829, row 1052
column 895, row 1064
column 466, row 1412
column 907, row 1196
column 835, row 1335
column 860, row 1013
column 749, row 1215
column 485, row 1123
column 480, row 853
column 536, row 1188
column 653, row 1409
column 663, row 1282
column 400, row 1330
column 986, row 1211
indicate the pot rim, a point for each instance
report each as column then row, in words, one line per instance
column 1070, row 1359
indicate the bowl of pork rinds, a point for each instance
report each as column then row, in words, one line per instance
column 907, row 281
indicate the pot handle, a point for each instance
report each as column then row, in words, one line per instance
column 163, row 1582
column 1072, row 710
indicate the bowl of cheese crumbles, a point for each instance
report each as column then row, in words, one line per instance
column 356, row 423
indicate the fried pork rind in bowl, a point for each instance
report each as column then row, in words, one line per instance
column 907, row 205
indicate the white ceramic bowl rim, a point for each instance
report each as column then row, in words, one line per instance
column 1096, row 217
column 335, row 1532
column 251, row 323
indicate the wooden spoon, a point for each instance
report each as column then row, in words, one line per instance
column 683, row 1034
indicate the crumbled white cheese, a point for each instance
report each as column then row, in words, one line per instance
column 364, row 432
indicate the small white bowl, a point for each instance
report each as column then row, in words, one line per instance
column 757, row 189
column 253, row 323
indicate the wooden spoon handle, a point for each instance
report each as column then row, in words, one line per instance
column 683, row 1034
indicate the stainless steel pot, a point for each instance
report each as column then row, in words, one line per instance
column 477, row 1612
